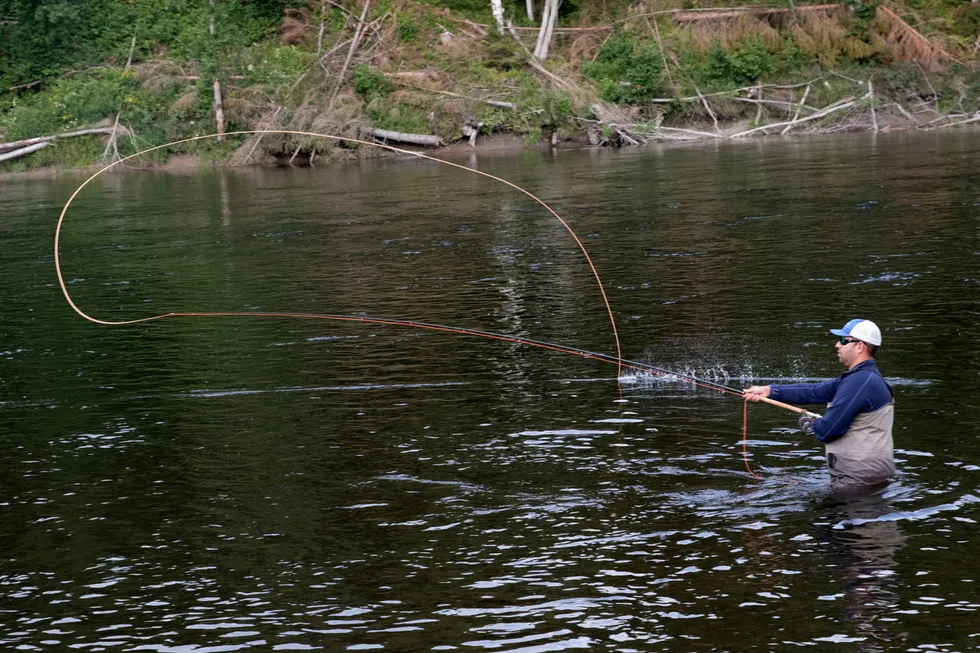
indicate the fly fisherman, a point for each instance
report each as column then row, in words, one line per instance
column 857, row 427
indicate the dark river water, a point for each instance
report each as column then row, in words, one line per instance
column 233, row 484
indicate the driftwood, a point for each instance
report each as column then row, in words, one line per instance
column 400, row 137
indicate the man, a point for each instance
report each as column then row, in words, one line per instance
column 857, row 427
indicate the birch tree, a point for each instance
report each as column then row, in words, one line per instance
column 219, row 111
column 497, row 7
column 549, row 16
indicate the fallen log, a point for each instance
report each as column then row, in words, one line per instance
column 400, row 137
column 24, row 150
column 28, row 85
column 692, row 16
column 46, row 139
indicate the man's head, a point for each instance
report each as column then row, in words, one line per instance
column 858, row 341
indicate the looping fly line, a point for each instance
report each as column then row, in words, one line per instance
column 581, row 246
column 605, row 358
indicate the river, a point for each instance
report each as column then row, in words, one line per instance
column 233, row 484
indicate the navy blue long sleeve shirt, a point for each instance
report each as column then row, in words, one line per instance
column 858, row 390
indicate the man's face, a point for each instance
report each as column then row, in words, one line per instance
column 848, row 353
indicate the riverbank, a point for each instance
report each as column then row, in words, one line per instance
column 630, row 74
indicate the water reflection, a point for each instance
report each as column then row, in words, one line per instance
column 868, row 546
column 260, row 485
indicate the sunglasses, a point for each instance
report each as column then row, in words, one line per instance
column 844, row 341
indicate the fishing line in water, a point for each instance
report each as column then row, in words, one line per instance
column 617, row 360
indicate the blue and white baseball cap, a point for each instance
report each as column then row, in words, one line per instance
column 864, row 330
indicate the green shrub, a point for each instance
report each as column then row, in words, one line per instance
column 742, row 67
column 625, row 73
column 966, row 20
column 369, row 84
column 408, row 30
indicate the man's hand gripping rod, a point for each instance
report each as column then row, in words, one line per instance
column 795, row 409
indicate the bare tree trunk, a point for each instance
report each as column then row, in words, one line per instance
column 530, row 10
column 545, row 10
column 219, row 111
column 549, row 16
column 497, row 7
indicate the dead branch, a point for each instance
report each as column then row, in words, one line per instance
column 270, row 122
column 744, row 89
column 707, row 108
column 350, row 53
column 690, row 131
column 797, row 114
column 845, row 103
column 656, row 32
column 790, row 105
column 871, row 97
column 908, row 116
column 23, row 86
column 935, row 95
column 196, row 77
column 948, row 116
column 975, row 118
column 397, row 78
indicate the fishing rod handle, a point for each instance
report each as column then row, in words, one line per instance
column 795, row 409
